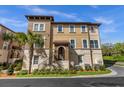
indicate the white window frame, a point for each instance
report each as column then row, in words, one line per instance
column 33, row 59
column 39, row 27
column 94, row 43
column 58, row 28
column 74, row 41
column 70, row 28
column 85, row 28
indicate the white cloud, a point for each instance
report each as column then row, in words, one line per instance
column 103, row 20
column 13, row 22
column 108, row 24
column 43, row 11
column 108, row 29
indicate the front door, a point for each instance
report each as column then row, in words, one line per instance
column 61, row 53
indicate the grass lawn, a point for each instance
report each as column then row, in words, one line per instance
column 79, row 73
column 111, row 58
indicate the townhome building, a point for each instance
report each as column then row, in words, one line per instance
column 66, row 43
column 8, row 54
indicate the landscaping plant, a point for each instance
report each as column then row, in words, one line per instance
column 10, row 70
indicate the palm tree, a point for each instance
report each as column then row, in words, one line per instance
column 30, row 39
column 9, row 38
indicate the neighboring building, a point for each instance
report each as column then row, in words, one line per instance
column 67, row 43
column 5, row 54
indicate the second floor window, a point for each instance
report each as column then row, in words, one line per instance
column 60, row 28
column 83, row 28
column 36, row 58
column 92, row 29
column 35, row 27
column 94, row 44
column 84, row 43
column 72, row 43
column 39, row 27
column 72, row 28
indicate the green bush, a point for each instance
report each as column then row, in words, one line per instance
column 88, row 67
column 102, row 68
column 1, row 69
column 23, row 72
column 10, row 70
column 96, row 67
column 53, row 71
column 5, row 66
column 79, row 68
column 73, row 72
column 18, row 67
column 35, row 71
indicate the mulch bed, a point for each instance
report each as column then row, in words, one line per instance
column 5, row 75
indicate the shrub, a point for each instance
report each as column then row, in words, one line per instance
column 18, row 67
column 78, row 68
column 96, row 67
column 102, row 68
column 88, row 67
column 10, row 70
column 23, row 72
column 73, row 72
column 5, row 65
column 1, row 69
column 35, row 71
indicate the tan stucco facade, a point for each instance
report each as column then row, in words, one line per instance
column 53, row 40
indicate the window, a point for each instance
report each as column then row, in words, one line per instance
column 92, row 29
column 80, row 57
column 72, row 28
column 84, row 43
column 5, row 45
column 72, row 43
column 36, row 58
column 35, row 27
column 39, row 27
column 83, row 28
column 91, row 44
column 60, row 28
column 94, row 44
column 36, row 45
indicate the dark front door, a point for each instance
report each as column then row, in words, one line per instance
column 61, row 53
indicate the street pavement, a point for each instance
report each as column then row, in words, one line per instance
column 111, row 80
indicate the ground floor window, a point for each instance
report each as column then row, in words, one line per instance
column 36, row 58
column 80, row 58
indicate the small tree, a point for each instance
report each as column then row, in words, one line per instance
column 30, row 39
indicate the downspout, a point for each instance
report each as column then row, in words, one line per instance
column 91, row 55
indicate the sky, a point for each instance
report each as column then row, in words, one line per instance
column 111, row 17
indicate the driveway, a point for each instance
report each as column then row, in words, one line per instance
column 119, row 71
